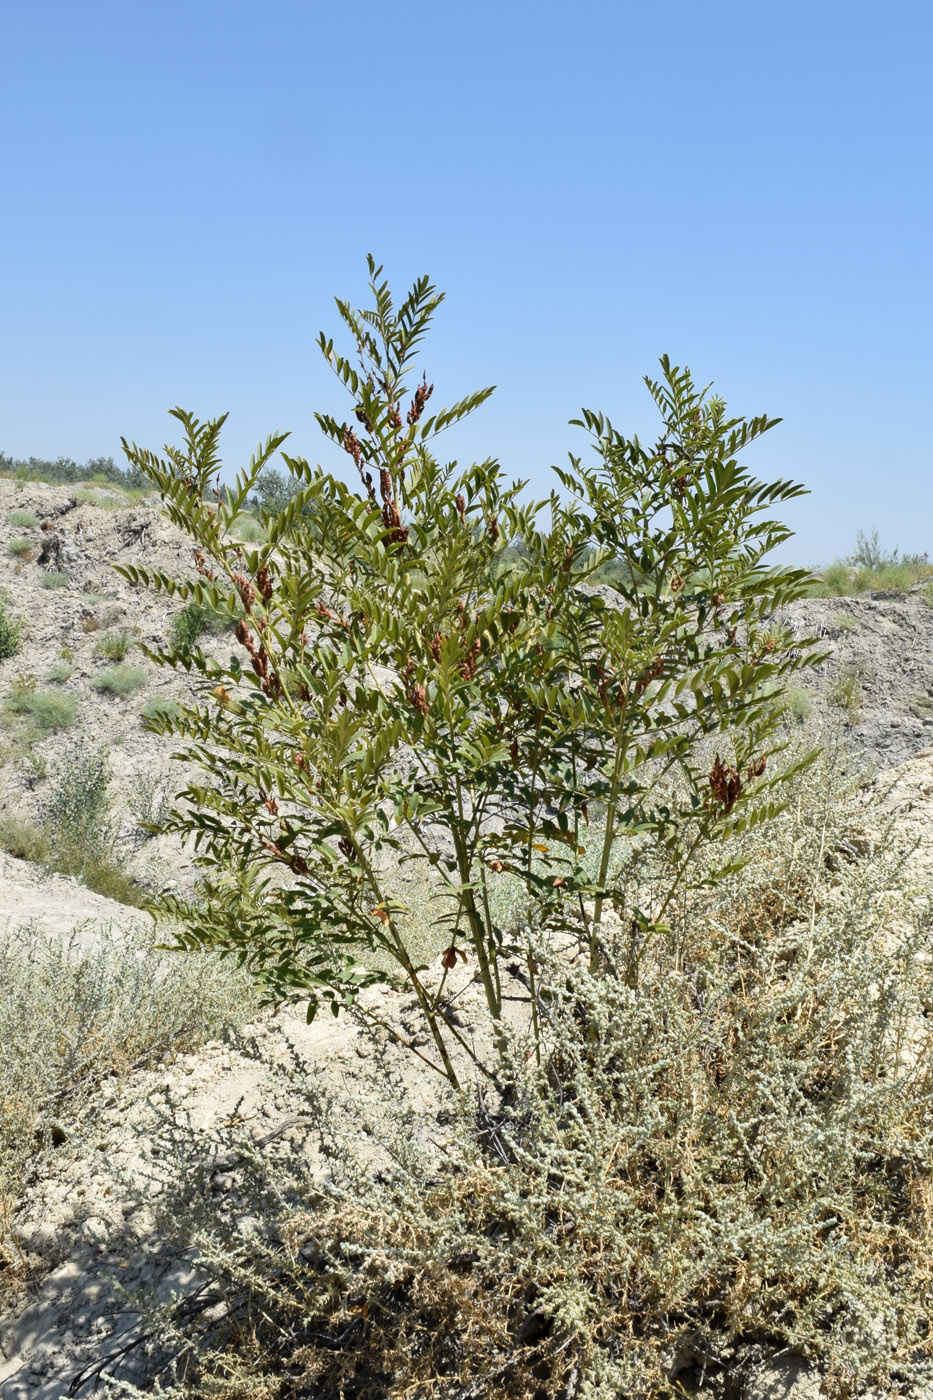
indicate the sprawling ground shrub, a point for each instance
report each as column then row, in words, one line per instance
column 45, row 710
column 75, row 1010
column 426, row 672
column 733, row 1158
column 120, row 680
column 78, row 833
column 115, row 645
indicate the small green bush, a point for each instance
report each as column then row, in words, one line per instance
column 871, row 569
column 114, row 645
column 77, row 805
column 249, row 530
column 59, row 672
column 11, row 632
column 83, row 833
column 120, row 680
column 48, row 710
column 160, row 707
column 846, row 622
column 149, row 804
column 21, row 519
column 21, row 547
column 798, row 703
column 54, row 580
column 194, row 621
column 24, row 839
column 103, row 502
column 845, row 693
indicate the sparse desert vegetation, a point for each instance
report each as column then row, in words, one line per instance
column 78, row 1012
column 593, row 873
column 115, row 645
column 119, row 680
column 872, row 569
column 11, row 630
column 44, row 710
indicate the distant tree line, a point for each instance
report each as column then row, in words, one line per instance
column 69, row 472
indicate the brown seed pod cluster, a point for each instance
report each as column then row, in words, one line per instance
column 200, row 563
column 259, row 660
column 725, row 784
column 422, row 394
column 415, row 694
column 264, row 583
column 351, row 445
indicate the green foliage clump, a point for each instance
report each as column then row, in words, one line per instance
column 77, row 834
column 114, row 645
column 24, row 839
column 21, row 519
column 77, row 807
column 77, row 1010
column 83, row 835
column 59, row 672
column 872, row 569
column 45, row 710
column 798, row 703
column 249, row 530
column 104, row 500
column 119, row 680
column 846, row 693
column 535, row 707
column 21, row 547
column 160, row 707
column 11, row 631
column 194, row 621
column 54, row 580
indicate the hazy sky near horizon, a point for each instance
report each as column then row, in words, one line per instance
column 744, row 186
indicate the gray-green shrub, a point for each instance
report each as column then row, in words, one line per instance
column 11, row 631
column 83, row 834
column 76, row 1009
column 733, row 1159
column 78, row 803
column 193, row 621
column 47, row 710
column 114, row 645
column 54, row 580
column 21, row 519
column 21, row 546
column 160, row 707
column 119, row 680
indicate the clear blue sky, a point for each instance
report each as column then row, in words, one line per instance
column 744, row 186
